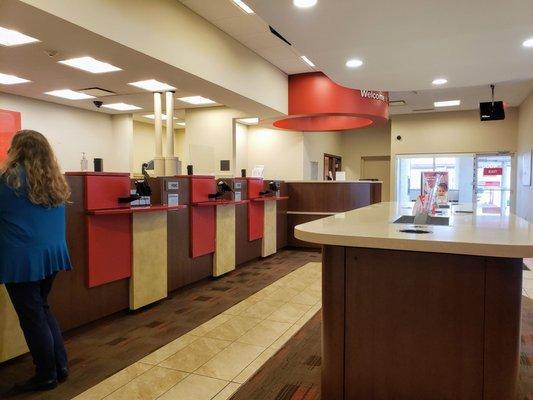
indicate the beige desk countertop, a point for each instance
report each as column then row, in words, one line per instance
column 469, row 234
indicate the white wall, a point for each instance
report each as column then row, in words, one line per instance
column 72, row 131
column 281, row 152
column 144, row 144
column 524, row 194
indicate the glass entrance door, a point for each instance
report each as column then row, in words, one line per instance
column 492, row 190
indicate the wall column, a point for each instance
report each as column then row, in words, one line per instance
column 159, row 161
column 171, row 162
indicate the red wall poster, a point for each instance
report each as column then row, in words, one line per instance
column 9, row 125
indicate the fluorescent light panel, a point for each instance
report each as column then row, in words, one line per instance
column 243, row 6
column 196, row 100
column 248, row 121
column 307, row 61
column 447, row 103
column 6, row 79
column 9, row 37
column 69, row 94
column 152, row 85
column 152, row 116
column 121, row 107
column 180, row 123
column 90, row 64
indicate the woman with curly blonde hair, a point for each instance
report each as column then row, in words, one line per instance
column 33, row 249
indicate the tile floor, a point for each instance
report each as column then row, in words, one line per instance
column 213, row 360
column 527, row 282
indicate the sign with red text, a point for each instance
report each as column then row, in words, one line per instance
column 493, row 171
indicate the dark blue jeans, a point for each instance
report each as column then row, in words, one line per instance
column 41, row 330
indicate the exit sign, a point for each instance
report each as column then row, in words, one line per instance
column 492, row 171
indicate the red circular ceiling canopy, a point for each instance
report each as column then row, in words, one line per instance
column 316, row 104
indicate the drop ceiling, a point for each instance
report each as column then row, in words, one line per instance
column 61, row 40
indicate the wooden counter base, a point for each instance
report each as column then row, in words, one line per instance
column 412, row 325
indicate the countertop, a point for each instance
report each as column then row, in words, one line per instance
column 333, row 181
column 469, row 234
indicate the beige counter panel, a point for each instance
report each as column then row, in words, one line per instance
column 12, row 342
column 269, row 245
column 470, row 234
column 224, row 258
column 148, row 281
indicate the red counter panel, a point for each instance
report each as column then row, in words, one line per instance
column 256, row 220
column 202, row 230
column 103, row 191
column 109, row 248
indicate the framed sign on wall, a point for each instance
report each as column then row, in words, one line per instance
column 526, row 168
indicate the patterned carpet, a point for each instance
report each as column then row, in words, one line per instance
column 294, row 372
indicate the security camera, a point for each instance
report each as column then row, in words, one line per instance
column 398, row 137
column 98, row 103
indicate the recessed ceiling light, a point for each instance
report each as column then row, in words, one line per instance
column 196, row 100
column 69, row 94
column 304, row 3
column 440, row 81
column 448, row 103
column 249, row 121
column 152, row 85
column 180, row 123
column 90, row 64
column 9, row 37
column 528, row 43
column 354, row 63
column 243, row 6
column 121, row 107
column 11, row 79
column 307, row 61
column 152, row 116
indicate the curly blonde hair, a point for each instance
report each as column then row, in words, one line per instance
column 31, row 152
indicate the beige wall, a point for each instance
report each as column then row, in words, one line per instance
column 315, row 145
column 72, row 131
column 451, row 132
column 209, row 138
column 144, row 144
column 360, row 143
column 241, row 148
column 524, row 194
column 281, row 152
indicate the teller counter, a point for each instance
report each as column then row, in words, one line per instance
column 312, row 200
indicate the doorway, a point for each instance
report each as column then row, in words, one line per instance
column 493, row 183
column 377, row 167
column 332, row 164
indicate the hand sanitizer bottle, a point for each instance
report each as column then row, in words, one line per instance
column 84, row 163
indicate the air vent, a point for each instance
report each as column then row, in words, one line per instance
column 396, row 103
column 423, row 109
column 97, row 92
column 278, row 35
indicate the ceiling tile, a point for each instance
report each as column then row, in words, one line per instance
column 214, row 10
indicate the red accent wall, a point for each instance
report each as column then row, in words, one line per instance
column 10, row 123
